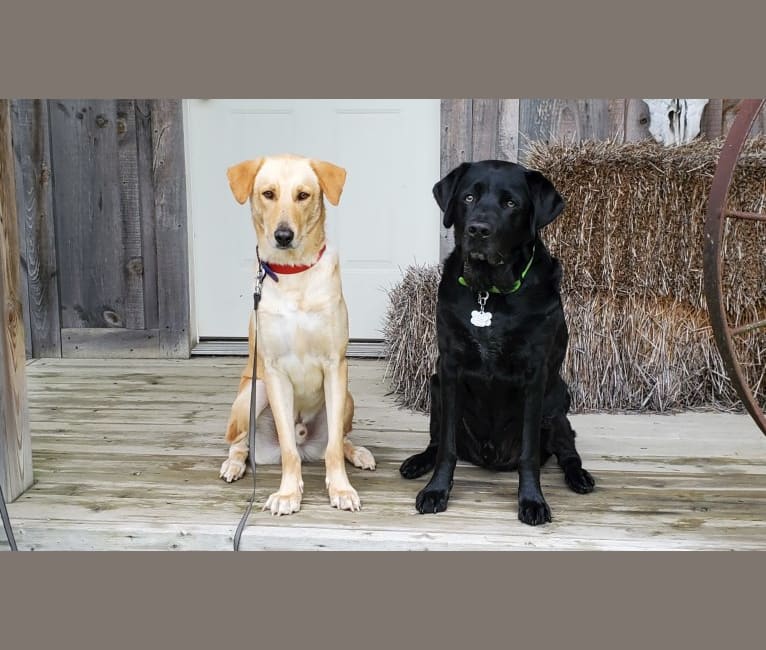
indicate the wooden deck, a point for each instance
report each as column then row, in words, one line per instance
column 126, row 456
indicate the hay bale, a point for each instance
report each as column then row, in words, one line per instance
column 634, row 219
column 626, row 353
column 410, row 335
column 650, row 354
column 630, row 242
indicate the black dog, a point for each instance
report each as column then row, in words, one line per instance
column 497, row 398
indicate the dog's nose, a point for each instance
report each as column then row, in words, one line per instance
column 283, row 236
column 479, row 229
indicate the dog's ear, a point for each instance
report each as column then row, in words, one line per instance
column 241, row 178
column 445, row 189
column 546, row 201
column 331, row 179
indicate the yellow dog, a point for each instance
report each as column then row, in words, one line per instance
column 303, row 406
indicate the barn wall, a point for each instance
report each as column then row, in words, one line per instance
column 101, row 199
column 101, row 202
column 476, row 129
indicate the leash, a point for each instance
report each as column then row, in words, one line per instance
column 7, row 522
column 264, row 269
column 251, row 424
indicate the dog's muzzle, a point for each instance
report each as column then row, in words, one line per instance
column 478, row 242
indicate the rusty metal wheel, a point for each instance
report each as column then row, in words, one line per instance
column 717, row 215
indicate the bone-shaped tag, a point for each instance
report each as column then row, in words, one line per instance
column 481, row 318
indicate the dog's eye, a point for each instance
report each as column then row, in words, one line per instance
column 268, row 194
column 469, row 198
column 302, row 196
column 510, row 204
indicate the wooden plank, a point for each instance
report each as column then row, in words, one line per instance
column 593, row 119
column 31, row 137
column 711, row 125
column 636, row 120
column 89, row 232
column 143, row 116
column 456, row 147
column 616, row 110
column 535, row 122
column 568, row 120
column 508, row 130
column 15, row 441
column 127, row 151
column 484, row 128
column 109, row 343
column 457, row 133
column 20, row 154
column 691, row 481
column 729, row 109
column 171, row 228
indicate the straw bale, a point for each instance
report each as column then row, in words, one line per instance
column 634, row 219
column 625, row 353
column 630, row 241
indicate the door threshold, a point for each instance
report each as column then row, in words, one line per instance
column 238, row 348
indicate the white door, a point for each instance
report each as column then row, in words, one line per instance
column 387, row 218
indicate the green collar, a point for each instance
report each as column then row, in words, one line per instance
column 516, row 286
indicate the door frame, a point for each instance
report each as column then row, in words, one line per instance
column 238, row 346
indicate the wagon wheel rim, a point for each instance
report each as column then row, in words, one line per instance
column 715, row 220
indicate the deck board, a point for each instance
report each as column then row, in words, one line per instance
column 126, row 455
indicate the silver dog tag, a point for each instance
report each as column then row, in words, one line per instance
column 481, row 318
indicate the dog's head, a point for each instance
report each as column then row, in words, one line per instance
column 286, row 200
column 496, row 207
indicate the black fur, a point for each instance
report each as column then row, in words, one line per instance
column 497, row 398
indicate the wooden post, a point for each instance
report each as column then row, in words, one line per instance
column 37, row 233
column 171, row 227
column 15, row 443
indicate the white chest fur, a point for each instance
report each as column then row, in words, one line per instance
column 303, row 327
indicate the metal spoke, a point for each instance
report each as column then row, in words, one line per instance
column 753, row 216
column 751, row 326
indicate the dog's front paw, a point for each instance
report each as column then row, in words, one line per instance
column 579, row 480
column 534, row 511
column 283, row 503
column 232, row 469
column 343, row 497
column 431, row 500
column 418, row 464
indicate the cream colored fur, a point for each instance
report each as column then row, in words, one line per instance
column 303, row 406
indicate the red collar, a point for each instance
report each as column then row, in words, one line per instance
column 287, row 269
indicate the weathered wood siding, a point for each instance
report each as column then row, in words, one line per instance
column 102, row 213
column 476, row 129
column 101, row 203
column 34, row 200
column 15, row 441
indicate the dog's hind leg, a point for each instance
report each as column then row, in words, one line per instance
column 562, row 444
column 356, row 455
column 317, row 436
column 233, row 467
column 424, row 462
